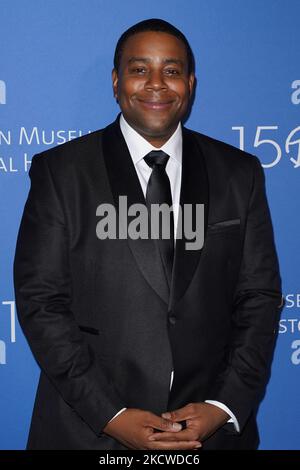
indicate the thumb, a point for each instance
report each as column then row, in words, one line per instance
column 180, row 414
column 163, row 424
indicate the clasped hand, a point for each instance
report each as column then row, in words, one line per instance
column 139, row 429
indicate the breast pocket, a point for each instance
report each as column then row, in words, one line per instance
column 88, row 329
column 230, row 226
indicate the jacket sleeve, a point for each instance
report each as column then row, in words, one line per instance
column 43, row 293
column 256, row 311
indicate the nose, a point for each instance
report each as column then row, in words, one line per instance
column 155, row 81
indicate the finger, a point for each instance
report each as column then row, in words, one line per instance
column 163, row 424
column 175, row 445
column 185, row 435
column 186, row 412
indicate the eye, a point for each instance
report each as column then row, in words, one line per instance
column 139, row 70
column 172, row 72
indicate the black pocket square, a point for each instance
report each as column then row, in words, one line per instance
column 225, row 223
column 88, row 329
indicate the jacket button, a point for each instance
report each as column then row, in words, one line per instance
column 172, row 319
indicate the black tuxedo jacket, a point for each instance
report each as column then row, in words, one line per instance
column 101, row 321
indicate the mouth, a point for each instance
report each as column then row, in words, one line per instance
column 156, row 105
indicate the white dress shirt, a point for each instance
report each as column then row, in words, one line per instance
column 138, row 148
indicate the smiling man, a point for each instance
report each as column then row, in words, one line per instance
column 142, row 343
column 153, row 81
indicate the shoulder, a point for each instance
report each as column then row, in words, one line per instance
column 224, row 162
column 219, row 152
column 75, row 151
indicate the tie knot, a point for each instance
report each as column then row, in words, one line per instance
column 157, row 158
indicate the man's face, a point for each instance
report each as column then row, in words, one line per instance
column 152, row 85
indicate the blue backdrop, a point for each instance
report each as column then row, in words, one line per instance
column 55, row 84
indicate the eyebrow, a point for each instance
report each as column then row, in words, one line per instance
column 168, row 60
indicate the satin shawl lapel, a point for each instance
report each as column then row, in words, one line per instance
column 124, row 182
column 194, row 190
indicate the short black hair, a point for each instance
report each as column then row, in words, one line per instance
column 154, row 24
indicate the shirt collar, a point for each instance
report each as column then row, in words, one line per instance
column 138, row 146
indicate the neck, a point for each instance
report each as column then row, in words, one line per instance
column 157, row 140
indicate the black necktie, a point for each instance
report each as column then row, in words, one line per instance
column 159, row 192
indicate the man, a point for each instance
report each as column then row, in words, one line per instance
column 143, row 343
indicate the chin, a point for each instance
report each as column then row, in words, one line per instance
column 157, row 129
column 156, row 133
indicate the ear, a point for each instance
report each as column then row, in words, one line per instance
column 191, row 83
column 114, row 76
